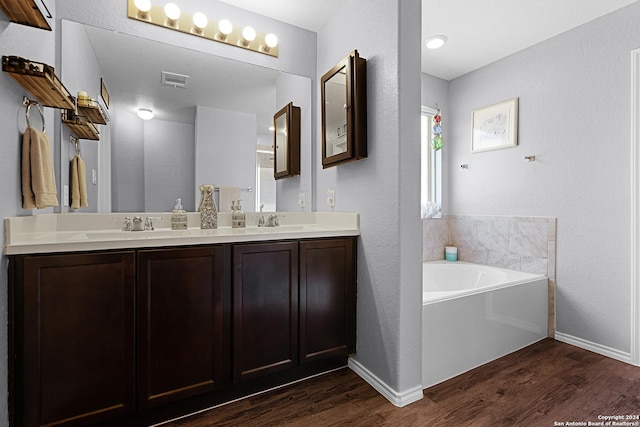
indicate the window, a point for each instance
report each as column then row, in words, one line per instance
column 431, row 163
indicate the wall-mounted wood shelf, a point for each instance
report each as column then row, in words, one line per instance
column 93, row 112
column 79, row 126
column 39, row 80
column 25, row 12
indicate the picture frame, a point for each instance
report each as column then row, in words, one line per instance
column 104, row 92
column 495, row 126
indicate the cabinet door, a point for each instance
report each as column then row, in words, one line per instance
column 327, row 298
column 181, row 329
column 265, row 309
column 76, row 360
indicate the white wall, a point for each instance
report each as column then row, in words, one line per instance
column 574, row 117
column 383, row 188
column 226, row 152
column 37, row 45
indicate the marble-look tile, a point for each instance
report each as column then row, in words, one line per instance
column 503, row 260
column 433, row 254
column 434, row 233
column 528, row 239
column 462, row 233
column 533, row 265
column 471, row 255
column 551, row 260
column 493, row 235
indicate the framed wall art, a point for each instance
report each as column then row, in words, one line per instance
column 495, row 126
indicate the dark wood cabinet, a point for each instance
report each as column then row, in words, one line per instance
column 139, row 336
column 265, row 309
column 327, row 298
column 182, row 334
column 72, row 338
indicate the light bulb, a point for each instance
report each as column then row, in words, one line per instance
column 271, row 40
column 145, row 114
column 225, row 27
column 200, row 20
column 143, row 5
column 249, row 34
column 172, row 11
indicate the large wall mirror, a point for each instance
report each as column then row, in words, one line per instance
column 344, row 111
column 212, row 129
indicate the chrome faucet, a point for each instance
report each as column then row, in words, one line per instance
column 137, row 224
column 272, row 221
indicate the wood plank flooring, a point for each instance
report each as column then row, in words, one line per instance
column 546, row 384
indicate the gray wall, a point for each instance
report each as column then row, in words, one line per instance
column 37, row 45
column 296, row 89
column 80, row 70
column 383, row 188
column 226, row 152
column 169, row 162
column 127, row 152
column 574, row 117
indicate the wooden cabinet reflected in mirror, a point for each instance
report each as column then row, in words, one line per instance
column 286, row 141
column 344, row 111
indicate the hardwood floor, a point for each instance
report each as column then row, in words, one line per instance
column 545, row 384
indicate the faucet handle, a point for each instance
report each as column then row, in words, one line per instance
column 126, row 224
column 261, row 222
column 148, row 224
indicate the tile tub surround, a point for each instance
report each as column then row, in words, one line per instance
column 515, row 242
column 518, row 243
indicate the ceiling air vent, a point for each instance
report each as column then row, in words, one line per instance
column 175, row 80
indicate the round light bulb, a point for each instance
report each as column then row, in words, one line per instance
column 200, row 20
column 145, row 114
column 143, row 5
column 249, row 34
column 271, row 40
column 172, row 11
column 225, row 27
column 436, row 42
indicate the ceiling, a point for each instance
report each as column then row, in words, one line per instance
column 479, row 31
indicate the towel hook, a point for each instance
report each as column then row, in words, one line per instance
column 75, row 141
column 29, row 103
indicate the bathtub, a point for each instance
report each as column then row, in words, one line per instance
column 473, row 314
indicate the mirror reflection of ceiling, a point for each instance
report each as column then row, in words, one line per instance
column 479, row 31
column 133, row 66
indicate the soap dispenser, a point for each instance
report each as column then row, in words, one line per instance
column 238, row 218
column 178, row 217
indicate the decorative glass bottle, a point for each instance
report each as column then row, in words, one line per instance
column 208, row 210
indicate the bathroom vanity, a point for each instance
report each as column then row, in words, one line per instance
column 135, row 328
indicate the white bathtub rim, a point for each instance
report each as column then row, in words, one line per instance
column 428, row 297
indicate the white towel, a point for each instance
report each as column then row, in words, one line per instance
column 38, row 175
column 227, row 196
column 78, row 183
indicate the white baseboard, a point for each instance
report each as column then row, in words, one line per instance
column 596, row 348
column 398, row 399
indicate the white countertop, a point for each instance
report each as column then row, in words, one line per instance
column 74, row 232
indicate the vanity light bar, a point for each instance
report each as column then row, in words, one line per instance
column 246, row 38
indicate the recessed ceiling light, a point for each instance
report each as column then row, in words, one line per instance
column 435, row 42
